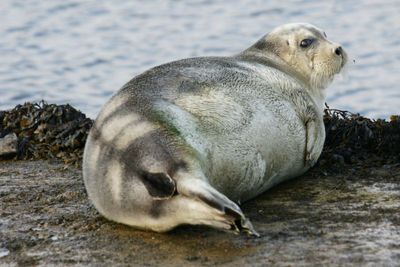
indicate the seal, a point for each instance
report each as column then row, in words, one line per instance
column 187, row 141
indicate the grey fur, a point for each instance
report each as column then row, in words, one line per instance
column 184, row 141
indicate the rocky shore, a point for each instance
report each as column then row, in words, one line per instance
column 344, row 211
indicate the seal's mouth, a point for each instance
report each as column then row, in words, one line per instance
column 323, row 72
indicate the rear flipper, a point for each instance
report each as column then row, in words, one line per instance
column 226, row 210
column 194, row 201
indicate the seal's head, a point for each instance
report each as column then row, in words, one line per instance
column 304, row 50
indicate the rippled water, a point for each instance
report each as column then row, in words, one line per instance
column 81, row 52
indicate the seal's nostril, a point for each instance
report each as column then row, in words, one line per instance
column 338, row 51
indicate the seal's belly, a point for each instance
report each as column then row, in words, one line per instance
column 267, row 151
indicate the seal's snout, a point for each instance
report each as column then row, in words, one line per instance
column 339, row 51
column 339, row 55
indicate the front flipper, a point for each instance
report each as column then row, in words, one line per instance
column 222, row 209
column 315, row 136
column 309, row 158
column 313, row 125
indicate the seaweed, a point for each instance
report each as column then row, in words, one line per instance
column 47, row 131
column 50, row 131
column 353, row 138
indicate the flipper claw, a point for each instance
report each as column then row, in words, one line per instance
column 247, row 227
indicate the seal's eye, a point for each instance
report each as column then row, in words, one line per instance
column 306, row 42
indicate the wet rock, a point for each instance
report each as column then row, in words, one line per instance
column 4, row 252
column 340, row 219
column 338, row 158
column 8, row 144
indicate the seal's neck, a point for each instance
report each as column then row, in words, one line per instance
column 274, row 61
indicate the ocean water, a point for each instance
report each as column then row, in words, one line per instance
column 82, row 52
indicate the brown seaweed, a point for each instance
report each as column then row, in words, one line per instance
column 353, row 138
column 47, row 131
column 50, row 131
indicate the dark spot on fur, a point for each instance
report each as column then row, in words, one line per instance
column 192, row 86
column 95, row 132
column 265, row 45
column 316, row 32
column 156, row 208
column 261, row 44
column 232, row 213
column 159, row 185
column 156, row 147
column 211, row 202
column 180, row 165
column 217, row 205
column 287, row 42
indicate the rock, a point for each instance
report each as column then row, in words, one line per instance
column 346, row 218
column 8, row 144
column 4, row 252
column 338, row 158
